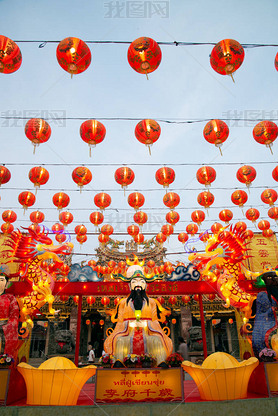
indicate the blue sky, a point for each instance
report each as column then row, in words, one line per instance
column 184, row 87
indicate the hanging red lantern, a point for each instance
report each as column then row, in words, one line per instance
column 61, row 238
column 167, row 229
column 5, row 175
column 57, row 228
column 267, row 233
column 9, row 216
column 61, row 200
column 216, row 132
column 92, row 132
column 10, row 56
column 204, row 236
column 239, row 197
column 81, row 176
column 206, row 175
column 269, row 196
column 172, row 217
column 264, row 225
column 66, row 218
column 192, row 229
column 198, row 216
column 26, row 199
column 140, row 218
column 96, row 218
column 38, row 131
column 275, row 173
column 80, row 230
column 161, row 300
column 35, row 227
column 38, row 176
column 117, row 301
column 165, row 176
column 246, row 174
column 7, row 228
column 161, row 238
column 81, row 238
column 205, row 199
column 183, row 237
column 252, row 214
column 172, row 300
column 144, row 55
column 90, row 300
column 174, row 321
column 240, row 226
column 124, row 176
column 136, row 200
column 88, row 322
column 107, row 229
column 73, row 55
column 226, row 215
column 147, row 132
column 216, row 227
column 273, row 213
column 171, row 200
column 139, row 238
column 111, row 264
column 92, row 263
column 37, row 217
column 103, row 239
column 185, row 299
column 248, row 234
column 133, row 230
column 64, row 298
column 227, row 56
column 151, row 264
column 75, row 299
column 102, row 200
column 265, row 132
column 105, row 301
column 276, row 61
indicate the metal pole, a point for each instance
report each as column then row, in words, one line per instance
column 78, row 330
column 203, row 326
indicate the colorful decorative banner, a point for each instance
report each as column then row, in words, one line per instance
column 263, row 252
column 139, row 385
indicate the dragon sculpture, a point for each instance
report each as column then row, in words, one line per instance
column 39, row 263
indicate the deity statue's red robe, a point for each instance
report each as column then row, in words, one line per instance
column 9, row 316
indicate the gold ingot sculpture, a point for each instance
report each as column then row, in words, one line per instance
column 221, row 376
column 56, row 381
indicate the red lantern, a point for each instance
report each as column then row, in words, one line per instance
column 81, row 176
column 205, row 199
column 185, row 299
column 66, row 218
column 105, row 301
column 276, row 61
column 211, row 296
column 57, row 228
column 38, row 131
column 240, row 226
column 272, row 213
column 73, row 55
column 124, row 176
column 161, row 238
column 267, row 233
column 269, row 196
column 264, row 225
column 198, row 216
column 174, row 321
column 116, row 301
column 183, row 237
column 265, row 132
column 147, row 132
column 139, row 238
column 227, row 56
column 81, row 238
column 140, row 218
column 246, row 174
column 26, row 199
column 90, row 300
column 61, row 238
column 5, row 175
column 102, row 200
column 248, row 234
column 136, row 200
column 107, row 229
column 216, row 132
column 10, row 57
column 133, row 230
column 75, row 299
column 111, row 264
column 172, row 300
column 151, row 264
column 64, row 298
column 226, row 215
column 88, row 322
column 7, row 228
column 161, row 300
column 252, row 214
column 171, row 200
column 61, row 200
column 165, row 176
column 216, row 227
column 37, row 217
column 192, row 229
column 144, row 55
column 38, row 176
column 92, row 132
column 206, row 175
column 172, row 217
column 167, row 229
column 80, row 230
column 96, row 218
column 35, row 227
column 239, row 197
column 92, row 263
column 9, row 216
column 103, row 239
column 275, row 173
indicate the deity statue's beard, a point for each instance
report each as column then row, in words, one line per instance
column 137, row 296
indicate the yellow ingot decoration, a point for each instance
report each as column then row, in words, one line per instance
column 221, row 376
column 57, row 381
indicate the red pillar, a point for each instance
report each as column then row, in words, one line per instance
column 78, row 330
column 203, row 326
